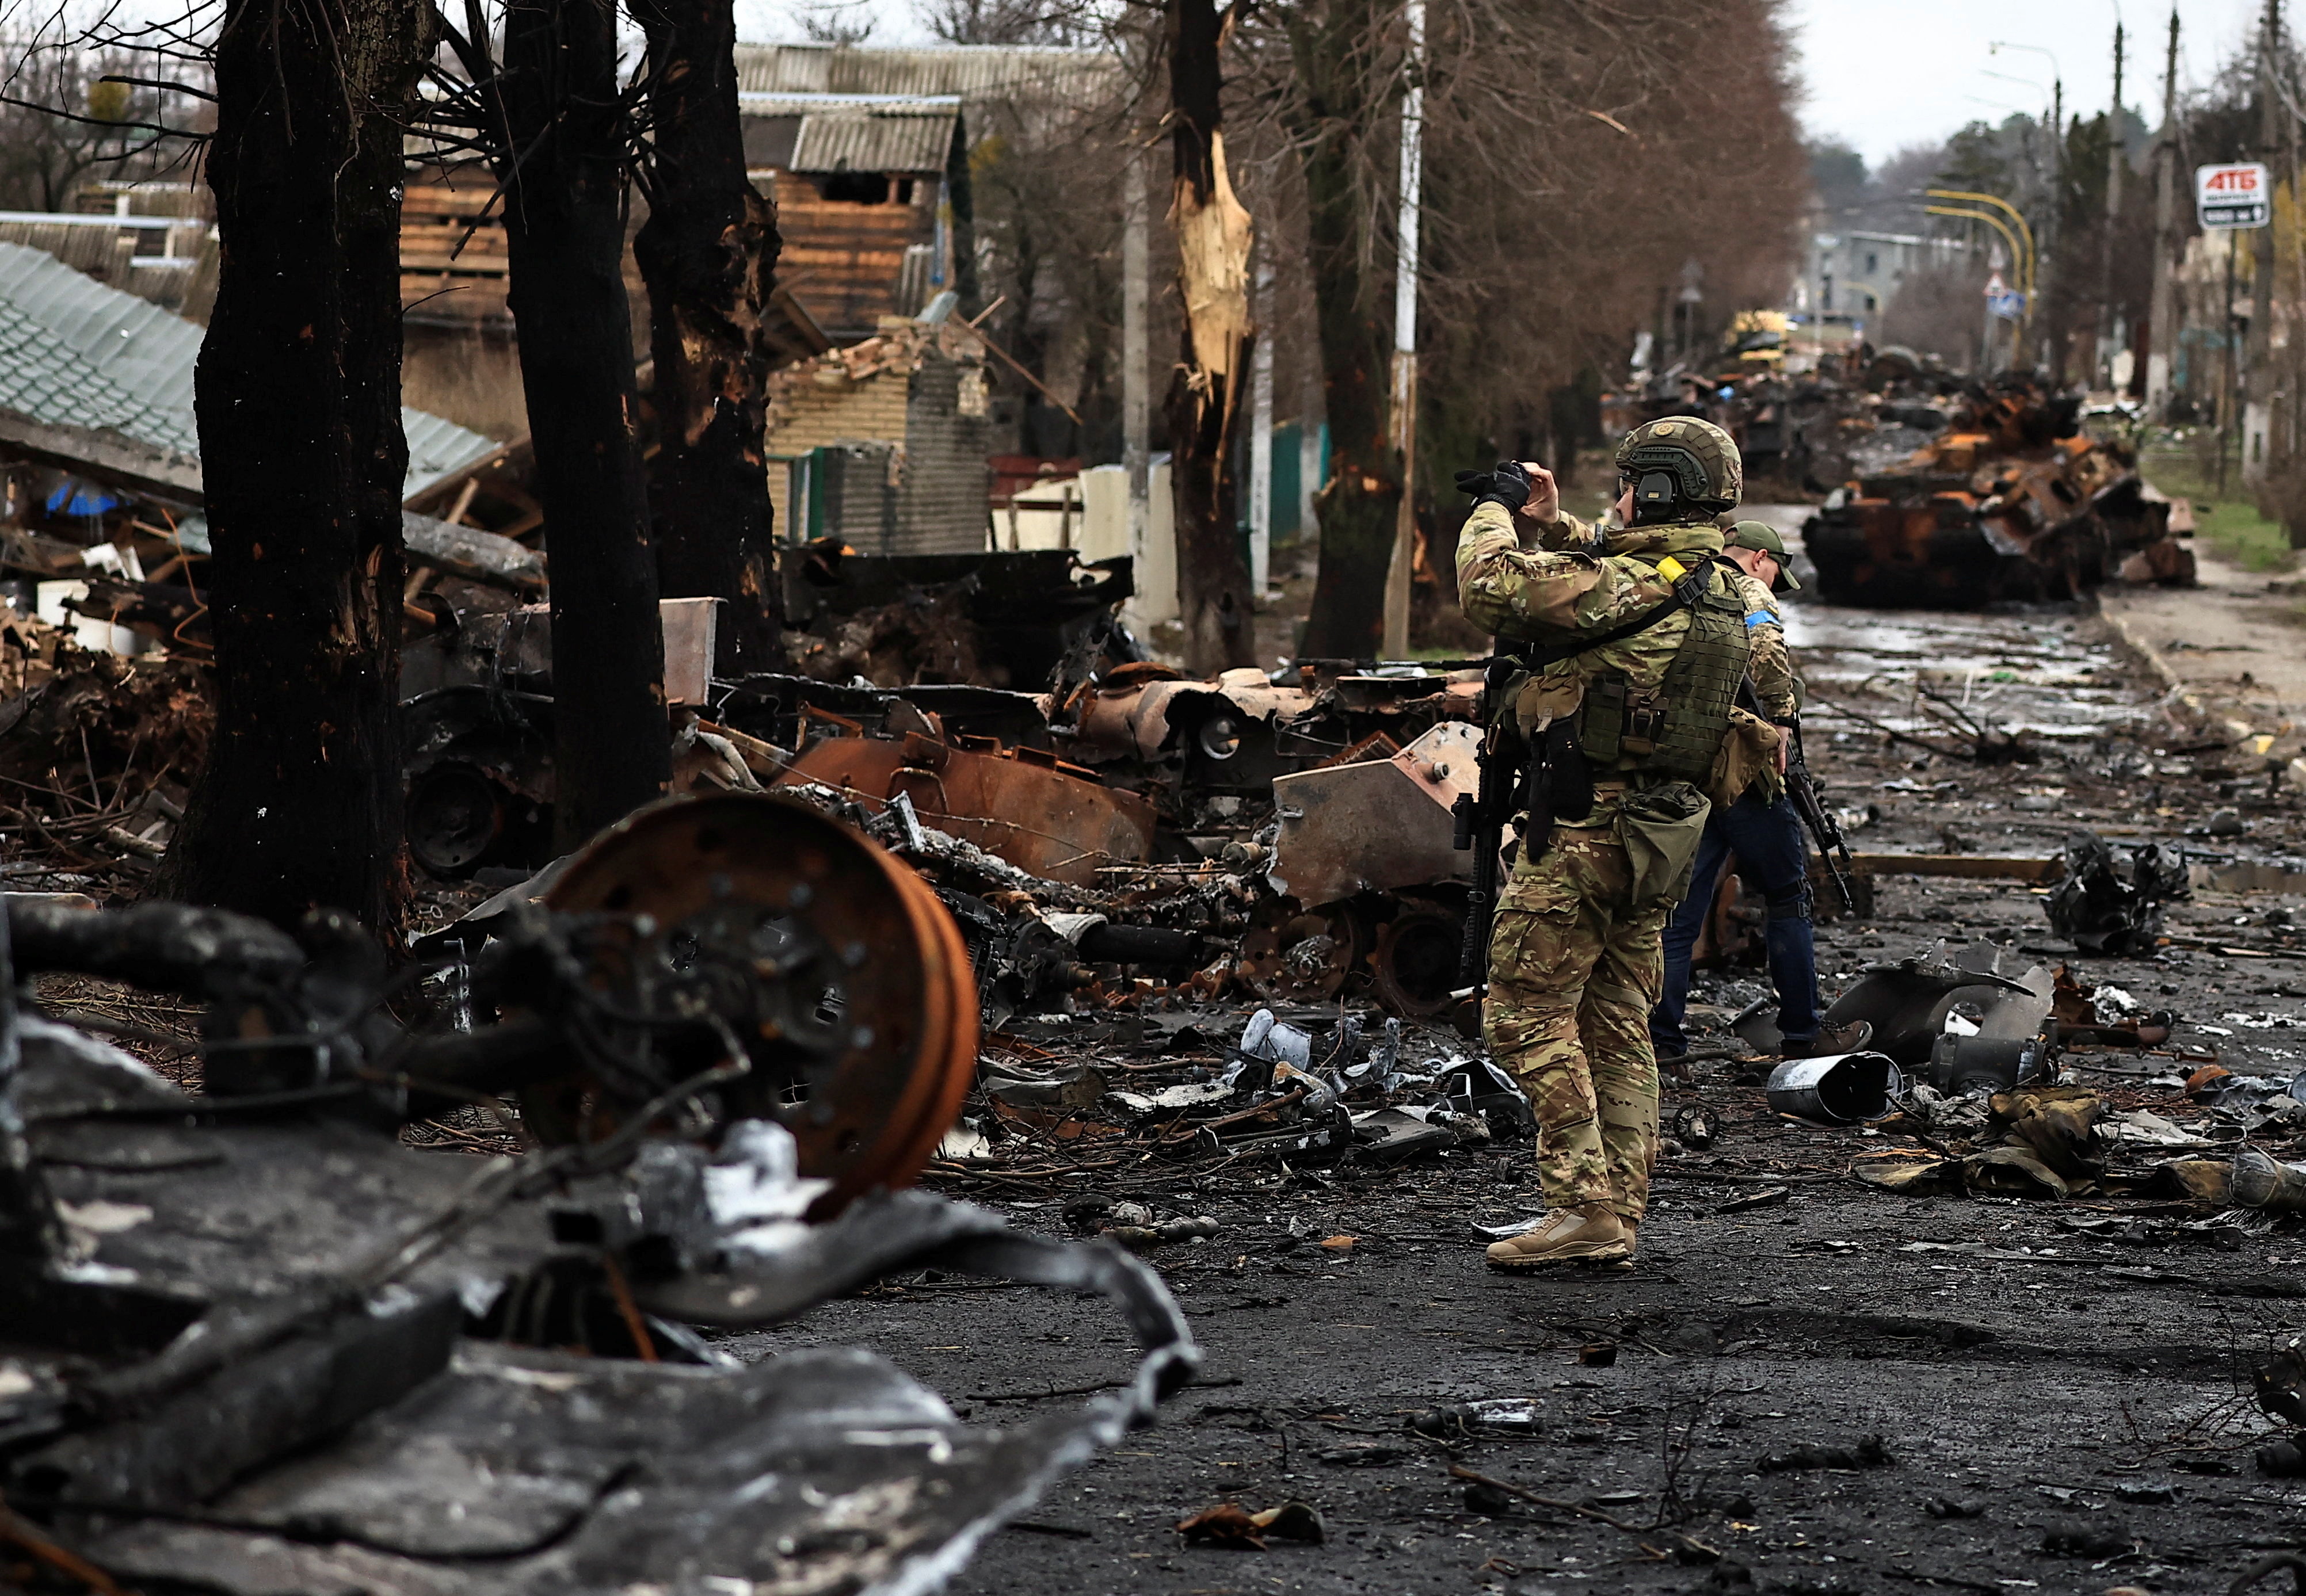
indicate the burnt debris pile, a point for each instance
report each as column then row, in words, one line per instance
column 1990, row 494
column 255, row 1343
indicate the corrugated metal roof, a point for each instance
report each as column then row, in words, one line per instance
column 874, row 140
column 43, row 376
column 438, row 446
column 976, row 72
column 132, row 342
column 805, row 105
column 72, row 350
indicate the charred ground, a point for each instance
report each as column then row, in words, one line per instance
column 2061, row 1390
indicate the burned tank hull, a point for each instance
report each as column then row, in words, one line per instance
column 1926, row 552
column 1995, row 509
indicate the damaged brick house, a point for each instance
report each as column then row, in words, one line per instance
column 880, row 428
column 884, row 444
column 867, row 151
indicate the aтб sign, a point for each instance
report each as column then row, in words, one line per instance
column 2234, row 195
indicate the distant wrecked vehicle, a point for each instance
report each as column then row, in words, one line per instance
column 2009, row 501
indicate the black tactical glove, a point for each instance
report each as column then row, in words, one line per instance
column 1508, row 484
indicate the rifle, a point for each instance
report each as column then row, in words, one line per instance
column 1480, row 824
column 1809, row 802
column 1480, row 819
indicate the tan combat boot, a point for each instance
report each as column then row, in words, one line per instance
column 1588, row 1233
column 1633, row 1229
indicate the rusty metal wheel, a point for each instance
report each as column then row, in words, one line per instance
column 829, row 961
column 1295, row 955
column 1414, row 965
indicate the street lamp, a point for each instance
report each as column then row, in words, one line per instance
column 1998, row 46
column 2057, row 125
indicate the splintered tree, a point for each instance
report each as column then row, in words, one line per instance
column 1213, row 248
column 708, row 253
column 1537, row 115
column 562, row 165
column 298, row 398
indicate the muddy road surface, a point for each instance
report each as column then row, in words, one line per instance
column 1804, row 1384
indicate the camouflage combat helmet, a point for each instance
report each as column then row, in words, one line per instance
column 1681, row 463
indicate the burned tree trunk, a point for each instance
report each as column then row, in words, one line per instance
column 298, row 397
column 564, row 242
column 1358, row 508
column 708, row 252
column 1213, row 245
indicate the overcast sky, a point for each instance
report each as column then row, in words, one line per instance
column 1883, row 74
column 895, row 22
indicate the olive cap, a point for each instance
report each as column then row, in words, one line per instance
column 1763, row 537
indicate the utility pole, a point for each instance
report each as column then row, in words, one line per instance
column 2056, row 231
column 2257, row 390
column 1260, row 427
column 2046, row 245
column 2287, row 381
column 1136, row 393
column 1986, row 339
column 2113, row 165
column 2227, row 386
column 2162, row 330
column 1395, row 644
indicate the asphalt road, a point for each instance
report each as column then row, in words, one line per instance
column 2062, row 1409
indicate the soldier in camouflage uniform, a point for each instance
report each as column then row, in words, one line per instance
column 1632, row 692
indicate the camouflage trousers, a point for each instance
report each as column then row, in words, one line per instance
column 1574, row 971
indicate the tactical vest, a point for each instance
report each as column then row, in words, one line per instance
column 1673, row 729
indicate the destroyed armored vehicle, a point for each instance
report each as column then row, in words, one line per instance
column 2010, row 502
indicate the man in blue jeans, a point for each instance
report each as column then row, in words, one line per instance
column 1764, row 834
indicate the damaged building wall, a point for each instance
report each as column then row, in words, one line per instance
column 858, row 188
column 468, row 371
column 811, row 413
column 919, row 392
column 949, row 434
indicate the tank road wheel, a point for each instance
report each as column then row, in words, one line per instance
column 1415, row 962
column 1295, row 955
column 756, row 922
column 455, row 816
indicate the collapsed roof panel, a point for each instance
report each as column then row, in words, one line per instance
column 76, row 353
column 132, row 342
column 43, row 377
column 913, row 138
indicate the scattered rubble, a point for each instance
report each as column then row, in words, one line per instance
column 2109, row 908
column 1211, row 929
column 97, row 756
column 386, row 1366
